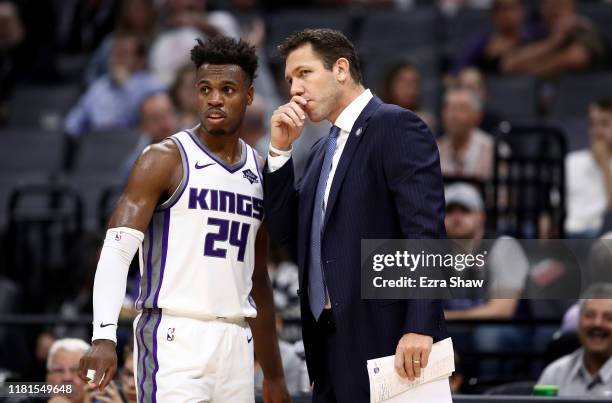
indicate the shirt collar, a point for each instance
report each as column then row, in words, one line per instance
column 349, row 115
column 605, row 372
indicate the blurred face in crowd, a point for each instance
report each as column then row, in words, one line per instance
column 138, row 15
column 308, row 78
column 461, row 113
column 187, row 95
column 471, row 78
column 224, row 91
column 125, row 59
column 182, row 6
column 11, row 29
column 63, row 369
column 461, row 223
column 553, row 11
column 158, row 117
column 405, row 88
column 253, row 128
column 507, row 15
column 595, row 326
column 128, row 384
column 600, row 124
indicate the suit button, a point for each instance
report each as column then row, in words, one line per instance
column 299, row 294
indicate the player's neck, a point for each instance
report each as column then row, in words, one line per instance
column 227, row 147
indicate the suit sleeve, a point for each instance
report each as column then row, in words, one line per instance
column 281, row 206
column 414, row 178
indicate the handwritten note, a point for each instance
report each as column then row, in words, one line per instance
column 385, row 383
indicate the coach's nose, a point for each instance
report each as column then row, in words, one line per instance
column 297, row 88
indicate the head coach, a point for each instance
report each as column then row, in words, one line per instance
column 377, row 175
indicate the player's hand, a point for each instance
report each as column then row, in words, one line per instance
column 287, row 123
column 102, row 358
column 412, row 354
column 275, row 391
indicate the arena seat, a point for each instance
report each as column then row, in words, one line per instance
column 514, row 96
column 104, row 151
column 574, row 92
column 42, row 106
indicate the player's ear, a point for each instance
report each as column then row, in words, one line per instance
column 250, row 94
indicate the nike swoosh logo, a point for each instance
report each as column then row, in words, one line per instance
column 249, row 339
column 198, row 166
column 107, row 324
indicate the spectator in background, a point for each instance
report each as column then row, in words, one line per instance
column 589, row 176
column 158, row 120
column 127, row 383
column 185, row 97
column 254, row 131
column 136, row 16
column 588, row 370
column 402, row 87
column 568, row 42
column 487, row 50
column 85, row 23
column 112, row 100
column 506, row 265
column 12, row 34
column 63, row 366
column 465, row 150
column 184, row 21
column 472, row 79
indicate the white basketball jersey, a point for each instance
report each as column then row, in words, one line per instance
column 198, row 254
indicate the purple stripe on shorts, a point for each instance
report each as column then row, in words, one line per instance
column 154, row 375
column 144, row 357
column 164, row 253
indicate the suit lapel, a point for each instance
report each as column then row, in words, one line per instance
column 354, row 138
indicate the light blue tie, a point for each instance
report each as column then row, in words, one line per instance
column 316, row 282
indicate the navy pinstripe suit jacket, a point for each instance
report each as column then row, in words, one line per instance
column 388, row 184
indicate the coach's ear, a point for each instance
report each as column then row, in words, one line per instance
column 250, row 94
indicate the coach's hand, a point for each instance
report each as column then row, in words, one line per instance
column 275, row 391
column 287, row 123
column 412, row 354
column 102, row 358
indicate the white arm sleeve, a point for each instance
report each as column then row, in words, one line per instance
column 120, row 246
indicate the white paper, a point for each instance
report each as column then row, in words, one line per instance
column 385, row 383
column 435, row 391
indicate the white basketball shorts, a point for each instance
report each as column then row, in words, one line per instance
column 186, row 360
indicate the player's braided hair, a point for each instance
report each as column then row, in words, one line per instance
column 223, row 50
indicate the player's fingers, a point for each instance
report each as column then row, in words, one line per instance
column 83, row 370
column 108, row 377
column 98, row 377
column 398, row 363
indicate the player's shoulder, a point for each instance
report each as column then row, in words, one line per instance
column 159, row 156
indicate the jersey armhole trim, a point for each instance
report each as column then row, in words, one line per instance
column 178, row 192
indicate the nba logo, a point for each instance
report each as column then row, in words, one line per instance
column 170, row 334
column 118, row 236
column 376, row 370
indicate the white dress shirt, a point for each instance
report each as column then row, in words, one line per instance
column 345, row 122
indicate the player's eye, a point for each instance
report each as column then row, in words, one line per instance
column 228, row 90
column 205, row 90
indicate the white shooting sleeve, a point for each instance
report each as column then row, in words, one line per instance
column 120, row 246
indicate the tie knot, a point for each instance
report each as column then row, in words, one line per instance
column 334, row 131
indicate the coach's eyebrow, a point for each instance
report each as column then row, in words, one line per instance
column 288, row 77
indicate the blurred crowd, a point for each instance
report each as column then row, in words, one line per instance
column 486, row 76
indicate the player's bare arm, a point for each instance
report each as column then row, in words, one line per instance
column 263, row 326
column 154, row 177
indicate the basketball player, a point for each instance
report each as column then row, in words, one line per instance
column 193, row 208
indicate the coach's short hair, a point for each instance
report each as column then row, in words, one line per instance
column 223, row 50
column 329, row 44
column 67, row 344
